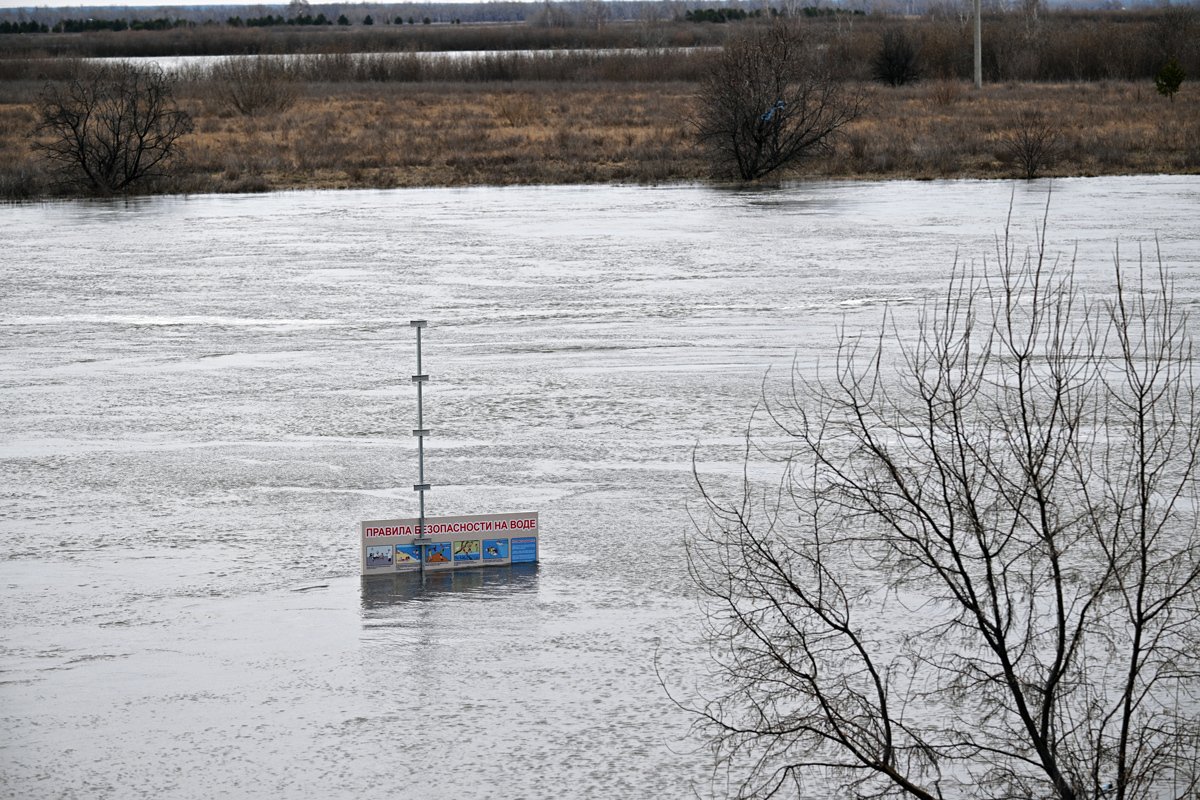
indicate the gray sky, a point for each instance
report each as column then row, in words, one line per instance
column 67, row 5
column 62, row 3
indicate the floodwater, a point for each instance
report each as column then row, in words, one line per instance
column 192, row 64
column 202, row 397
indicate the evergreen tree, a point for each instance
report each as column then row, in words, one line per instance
column 1169, row 78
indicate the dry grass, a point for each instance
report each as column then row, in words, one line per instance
column 1102, row 128
column 414, row 137
column 391, row 135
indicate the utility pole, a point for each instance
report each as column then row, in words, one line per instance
column 978, row 45
column 420, row 379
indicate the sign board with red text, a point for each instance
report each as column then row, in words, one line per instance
column 476, row 540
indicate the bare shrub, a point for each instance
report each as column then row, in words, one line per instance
column 895, row 62
column 946, row 93
column 945, row 50
column 21, row 180
column 253, row 85
column 1034, row 144
column 938, row 156
column 768, row 102
column 858, row 145
column 111, row 126
column 516, row 109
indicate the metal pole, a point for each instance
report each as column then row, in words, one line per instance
column 978, row 45
column 420, row 432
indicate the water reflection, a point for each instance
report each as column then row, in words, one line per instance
column 382, row 591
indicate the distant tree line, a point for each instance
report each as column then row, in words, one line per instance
column 719, row 14
column 82, row 25
column 163, row 24
column 512, row 10
column 735, row 14
column 269, row 20
column 814, row 11
column 724, row 13
column 1051, row 46
column 27, row 26
column 41, row 20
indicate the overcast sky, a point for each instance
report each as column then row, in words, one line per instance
column 124, row 4
column 64, row 4
column 152, row 4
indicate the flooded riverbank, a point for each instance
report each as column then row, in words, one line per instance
column 204, row 395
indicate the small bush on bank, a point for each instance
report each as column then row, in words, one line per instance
column 22, row 180
column 895, row 62
column 1034, row 144
column 253, row 85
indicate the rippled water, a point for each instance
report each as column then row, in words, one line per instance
column 201, row 397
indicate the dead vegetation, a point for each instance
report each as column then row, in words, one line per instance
column 391, row 120
column 1066, row 93
column 393, row 135
column 931, row 131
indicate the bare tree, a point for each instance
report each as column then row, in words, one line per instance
column 593, row 14
column 550, row 15
column 980, row 575
column 111, row 126
column 769, row 102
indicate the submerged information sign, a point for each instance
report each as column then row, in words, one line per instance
column 396, row 545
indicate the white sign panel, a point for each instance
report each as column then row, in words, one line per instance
column 477, row 540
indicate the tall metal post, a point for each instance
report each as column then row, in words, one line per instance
column 420, row 432
column 978, row 45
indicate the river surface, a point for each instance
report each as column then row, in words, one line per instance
column 202, row 396
column 200, row 64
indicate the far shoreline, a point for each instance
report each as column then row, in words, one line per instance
column 786, row 184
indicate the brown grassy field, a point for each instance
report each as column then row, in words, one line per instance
column 946, row 129
column 392, row 135
column 391, row 117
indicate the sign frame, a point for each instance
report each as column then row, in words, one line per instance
column 450, row 542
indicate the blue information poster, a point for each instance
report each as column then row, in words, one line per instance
column 437, row 553
column 524, row 550
column 495, row 549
